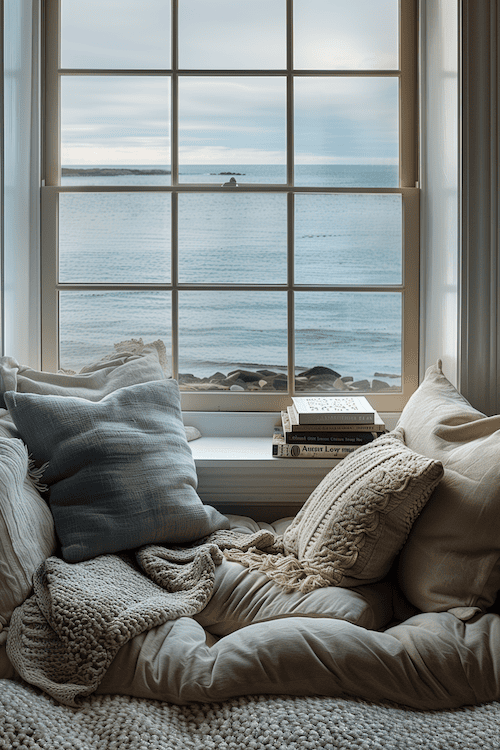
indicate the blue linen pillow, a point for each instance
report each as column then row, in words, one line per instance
column 120, row 471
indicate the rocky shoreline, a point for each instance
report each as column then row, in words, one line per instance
column 320, row 379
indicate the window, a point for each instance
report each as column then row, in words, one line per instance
column 238, row 180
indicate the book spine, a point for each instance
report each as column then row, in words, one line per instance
column 327, row 438
column 363, row 418
column 284, row 450
column 322, row 418
column 378, row 427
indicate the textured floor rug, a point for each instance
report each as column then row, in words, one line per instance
column 31, row 719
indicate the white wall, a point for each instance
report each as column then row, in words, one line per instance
column 21, row 181
column 440, row 194
column 461, row 195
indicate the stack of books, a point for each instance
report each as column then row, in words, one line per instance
column 326, row 427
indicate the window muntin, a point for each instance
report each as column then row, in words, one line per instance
column 285, row 175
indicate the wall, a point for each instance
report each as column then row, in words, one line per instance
column 440, row 189
column 461, row 194
column 21, row 182
column 480, row 325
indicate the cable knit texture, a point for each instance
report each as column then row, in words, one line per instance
column 355, row 522
column 64, row 637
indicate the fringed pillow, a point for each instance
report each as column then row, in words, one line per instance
column 355, row 522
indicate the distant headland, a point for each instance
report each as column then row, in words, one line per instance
column 107, row 171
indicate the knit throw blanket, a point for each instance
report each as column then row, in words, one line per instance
column 65, row 636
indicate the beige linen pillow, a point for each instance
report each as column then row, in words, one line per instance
column 27, row 534
column 355, row 522
column 452, row 556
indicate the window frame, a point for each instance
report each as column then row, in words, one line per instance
column 408, row 189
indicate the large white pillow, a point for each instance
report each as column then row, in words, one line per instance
column 451, row 559
column 27, row 534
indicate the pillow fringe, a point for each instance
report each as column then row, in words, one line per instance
column 35, row 474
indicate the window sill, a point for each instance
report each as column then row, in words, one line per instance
column 238, row 474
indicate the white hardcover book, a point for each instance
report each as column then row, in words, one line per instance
column 333, row 410
column 377, row 426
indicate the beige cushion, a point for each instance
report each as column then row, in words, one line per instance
column 26, row 528
column 452, row 556
column 244, row 597
column 433, row 661
column 355, row 522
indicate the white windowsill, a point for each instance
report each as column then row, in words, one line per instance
column 237, row 472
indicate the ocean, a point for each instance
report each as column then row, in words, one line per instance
column 236, row 238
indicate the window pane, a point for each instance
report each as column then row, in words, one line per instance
column 117, row 122
column 350, row 122
column 91, row 323
column 348, row 239
column 355, row 334
column 227, row 122
column 115, row 34
column 114, row 237
column 231, row 239
column 223, row 333
column 335, row 35
column 224, row 34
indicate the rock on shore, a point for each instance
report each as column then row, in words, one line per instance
column 320, row 379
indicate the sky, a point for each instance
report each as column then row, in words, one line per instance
column 121, row 120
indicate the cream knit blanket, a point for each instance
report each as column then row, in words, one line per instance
column 65, row 636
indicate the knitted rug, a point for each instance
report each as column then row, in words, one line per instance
column 31, row 719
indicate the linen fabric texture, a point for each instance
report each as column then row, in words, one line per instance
column 451, row 560
column 120, row 471
column 129, row 363
column 355, row 522
column 27, row 533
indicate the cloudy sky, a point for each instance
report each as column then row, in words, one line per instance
column 229, row 120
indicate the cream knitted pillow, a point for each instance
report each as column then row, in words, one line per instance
column 355, row 522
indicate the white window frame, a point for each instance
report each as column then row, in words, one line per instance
column 408, row 189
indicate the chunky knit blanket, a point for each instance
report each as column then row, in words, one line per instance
column 31, row 720
column 65, row 636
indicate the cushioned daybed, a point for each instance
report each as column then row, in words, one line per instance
column 134, row 616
